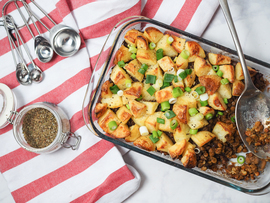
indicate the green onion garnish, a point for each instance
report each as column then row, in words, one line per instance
column 142, row 71
column 168, row 77
column 193, row 131
column 154, row 133
column 199, row 116
column 151, row 90
column 215, row 68
column 165, row 84
column 204, row 103
column 175, row 78
column 177, row 92
column 139, row 99
column 152, row 45
column 159, row 54
column 159, row 133
column 165, row 106
column 224, row 81
column 154, row 140
column 173, row 124
column 188, row 89
column 233, row 119
column 220, row 73
column 169, row 40
column 192, row 111
column 188, row 71
column 121, row 64
column 185, row 54
column 150, row 79
column 220, row 113
column 183, row 75
column 209, row 116
column 128, row 83
column 112, row 125
column 169, row 114
column 225, row 100
column 114, row 89
column 133, row 56
column 144, row 66
column 128, row 107
column 200, row 90
column 132, row 49
column 241, row 159
column 161, row 120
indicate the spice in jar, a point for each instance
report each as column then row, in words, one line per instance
column 39, row 127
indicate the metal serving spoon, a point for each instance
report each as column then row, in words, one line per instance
column 252, row 105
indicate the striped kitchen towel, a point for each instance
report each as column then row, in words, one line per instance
column 95, row 172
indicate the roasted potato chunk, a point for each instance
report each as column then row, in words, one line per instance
column 164, row 94
column 151, row 107
column 166, row 126
column 206, row 110
column 155, row 70
column 131, row 36
column 164, row 143
column 147, row 56
column 135, row 91
column 210, row 82
column 137, row 109
column 132, row 68
column 107, row 117
column 105, row 89
column 151, row 122
column 121, row 131
column 114, row 102
column 225, row 91
column 145, row 143
column 124, row 100
column 177, row 149
column 202, row 137
column 239, row 75
column 201, row 67
column 140, row 121
column 181, row 112
column 187, row 99
column 119, row 77
column 122, row 54
column 218, row 59
column 195, row 50
column 228, row 72
column 146, row 96
column 221, row 130
column 100, row 109
column 181, row 63
column 181, row 133
column 123, row 114
column 189, row 80
column 178, row 43
column 166, row 63
column 134, row 133
column 142, row 43
column 193, row 123
column 168, row 50
column 238, row 88
column 153, row 34
column 189, row 157
column 179, row 84
column 216, row 102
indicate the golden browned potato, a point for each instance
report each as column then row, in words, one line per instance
column 151, row 122
column 108, row 116
column 225, row 91
column 134, row 133
column 166, row 126
column 164, row 143
column 122, row 54
column 124, row 100
column 168, row 50
column 181, row 63
column 131, row 36
column 195, row 50
column 187, row 99
column 216, row 102
column 132, row 68
column 153, row 34
column 137, row 109
column 166, row 63
column 201, row 67
column 221, row 130
column 202, row 137
column 105, row 89
column 181, row 112
column 189, row 157
column 164, row 94
column 140, row 121
column 100, row 109
column 155, row 70
column 147, row 56
column 239, row 75
column 121, row 131
column 179, row 84
column 177, row 149
column 134, row 91
column 119, row 77
column 206, row 110
column 238, row 88
column 178, row 43
column 142, row 42
column 123, row 114
column 145, row 143
column 189, row 80
column 210, row 82
column 114, row 102
column 218, row 59
column 228, row 72
column 181, row 133
column 151, row 107
column 193, row 123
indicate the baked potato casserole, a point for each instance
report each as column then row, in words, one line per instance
column 167, row 94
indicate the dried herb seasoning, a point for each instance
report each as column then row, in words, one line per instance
column 39, row 127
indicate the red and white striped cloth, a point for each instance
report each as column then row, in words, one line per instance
column 95, row 172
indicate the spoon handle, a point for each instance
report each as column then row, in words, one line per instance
column 227, row 14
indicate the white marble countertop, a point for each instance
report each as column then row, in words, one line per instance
column 164, row 183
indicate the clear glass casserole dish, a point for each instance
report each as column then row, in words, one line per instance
column 102, row 72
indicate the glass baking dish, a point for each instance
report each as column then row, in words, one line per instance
column 102, row 72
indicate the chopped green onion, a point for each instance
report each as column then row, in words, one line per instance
column 165, row 84
column 173, row 124
column 192, row 111
column 154, row 133
column 112, row 125
column 200, row 90
column 224, row 81
column 139, row 99
column 128, row 83
column 225, row 100
column 169, row 114
column 185, row 54
column 188, row 89
column 159, row 133
column 241, row 159
column 152, row 45
column 220, row 113
column 151, row 90
column 183, row 75
column 132, row 49
column 199, row 116
column 165, row 106
column 144, row 66
column 121, row 64
column 233, row 119
column 128, row 107
column 209, row 116
column 150, row 79
column 204, row 103
column 220, row 73
column 215, row 68
column 114, row 89
column 193, row 131
column 195, row 95
column 175, row 78
column 142, row 71
column 161, row 120
column 168, row 77
column 159, row 82
column 169, row 40
column 177, row 92
column 188, row 71
column 159, row 54
column 133, row 56
column 154, row 140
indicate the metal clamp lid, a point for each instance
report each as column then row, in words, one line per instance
column 73, row 136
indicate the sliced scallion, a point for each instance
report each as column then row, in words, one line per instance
column 133, row 56
column 128, row 107
column 203, row 103
column 128, row 83
column 152, row 45
column 241, row 159
column 208, row 116
column 168, row 77
column 224, row 81
column 192, row 111
column 188, row 89
column 193, row 131
column 154, row 140
column 169, row 114
column 177, row 92
column 144, row 66
column 114, row 89
column 159, row 54
column 150, row 79
column 139, row 99
column 215, row 68
column 173, row 124
column 225, row 100
column 219, row 73
column 183, row 75
column 121, row 64
column 142, row 71
column 151, row 90
column 160, row 120
column 185, row 54
column 200, row 90
column 132, row 49
column 112, row 125
column 165, row 106
column 169, row 40
column 188, row 71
